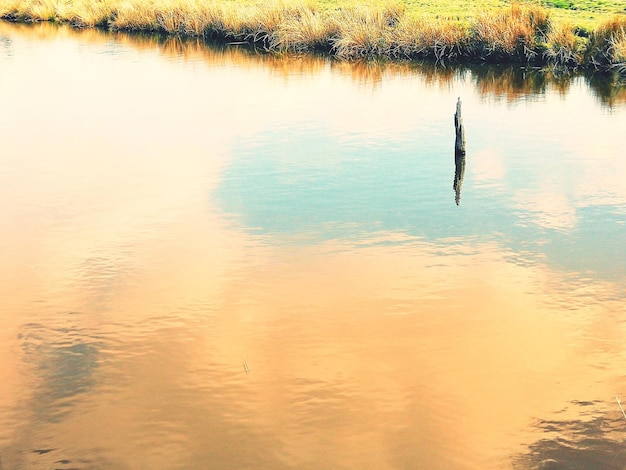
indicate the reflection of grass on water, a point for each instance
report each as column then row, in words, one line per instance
column 510, row 83
column 505, row 82
column 381, row 28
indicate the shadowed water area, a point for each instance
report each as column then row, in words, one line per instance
column 212, row 258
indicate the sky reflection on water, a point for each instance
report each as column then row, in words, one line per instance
column 211, row 257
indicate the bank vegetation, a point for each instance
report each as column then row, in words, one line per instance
column 520, row 33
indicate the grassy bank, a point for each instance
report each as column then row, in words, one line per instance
column 536, row 33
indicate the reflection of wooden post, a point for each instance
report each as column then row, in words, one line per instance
column 459, row 153
column 459, row 144
column 459, row 172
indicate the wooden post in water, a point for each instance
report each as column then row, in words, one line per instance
column 459, row 144
column 459, row 153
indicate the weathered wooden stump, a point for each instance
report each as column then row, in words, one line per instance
column 459, row 153
column 459, row 144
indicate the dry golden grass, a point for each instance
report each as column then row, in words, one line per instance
column 345, row 28
column 564, row 47
column 418, row 37
column 517, row 33
column 306, row 29
column 31, row 10
column 87, row 14
column 607, row 44
column 362, row 32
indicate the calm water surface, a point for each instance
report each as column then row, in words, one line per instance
column 215, row 259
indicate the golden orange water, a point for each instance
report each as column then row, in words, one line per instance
column 170, row 302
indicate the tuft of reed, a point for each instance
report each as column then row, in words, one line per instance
column 363, row 31
column 87, row 14
column 305, row 29
column 517, row 33
column 607, row 44
column 564, row 47
column 30, row 10
column 418, row 37
column 251, row 23
column 137, row 17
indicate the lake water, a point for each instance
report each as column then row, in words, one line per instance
column 211, row 258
